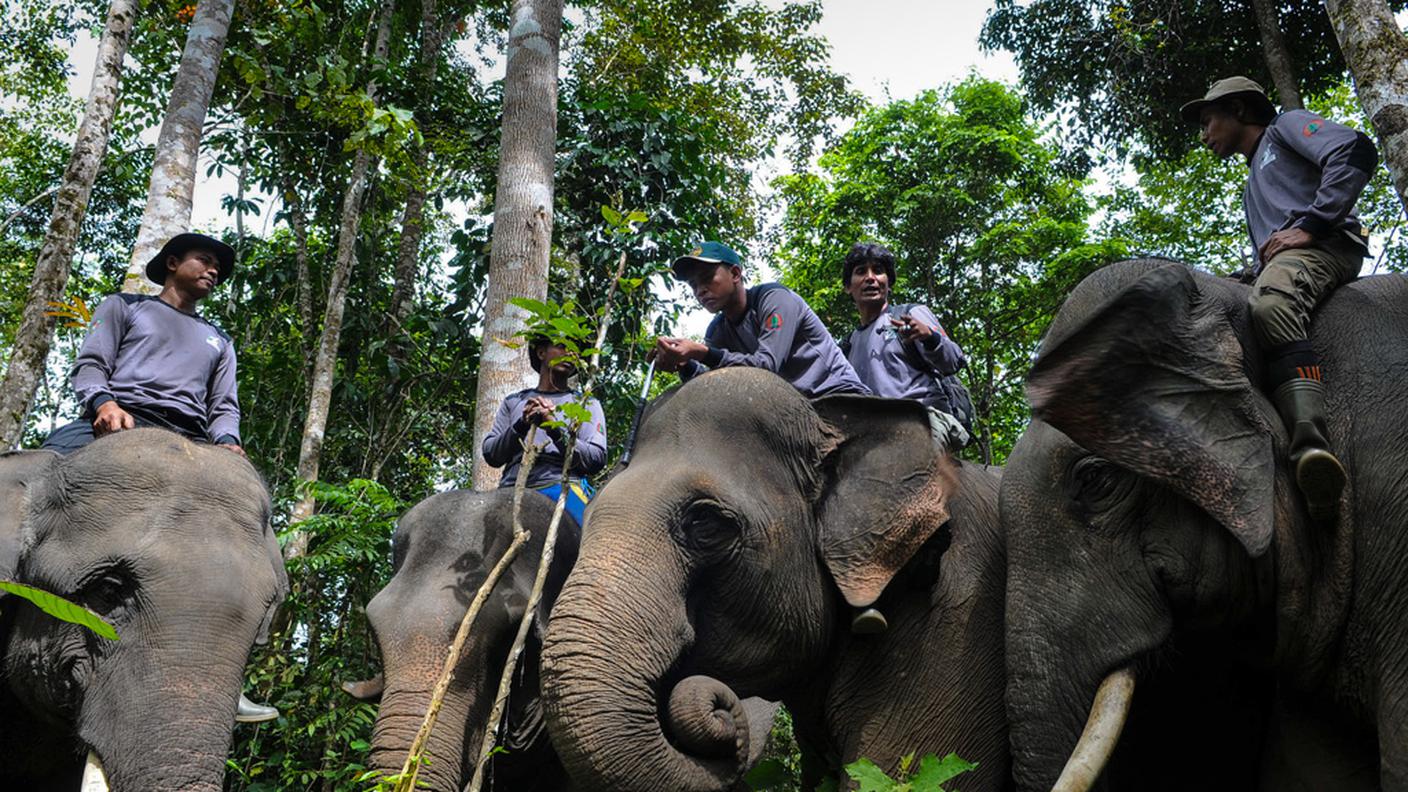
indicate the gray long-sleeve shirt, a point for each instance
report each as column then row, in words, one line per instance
column 503, row 445
column 145, row 354
column 878, row 355
column 781, row 333
column 1306, row 173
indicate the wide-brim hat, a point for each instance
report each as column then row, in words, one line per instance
column 707, row 253
column 1236, row 87
column 180, row 244
column 534, row 344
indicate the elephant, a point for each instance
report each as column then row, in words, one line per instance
column 728, row 561
column 1150, row 513
column 442, row 551
column 169, row 541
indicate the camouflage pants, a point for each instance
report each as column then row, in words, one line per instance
column 1293, row 283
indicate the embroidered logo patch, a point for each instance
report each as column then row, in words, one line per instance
column 773, row 322
column 1268, row 156
column 213, row 342
column 696, row 251
column 1313, row 127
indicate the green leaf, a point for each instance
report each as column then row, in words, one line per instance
column 60, row 608
column 933, row 772
column 576, row 412
column 613, row 217
column 870, row 776
column 769, row 774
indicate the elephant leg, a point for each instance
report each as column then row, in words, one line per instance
column 1393, row 745
column 1310, row 750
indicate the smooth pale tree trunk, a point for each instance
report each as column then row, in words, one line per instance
column 413, row 218
column 518, row 258
column 1377, row 54
column 325, row 361
column 173, row 183
column 51, row 266
column 1278, row 58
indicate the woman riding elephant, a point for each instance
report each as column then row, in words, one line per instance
column 1151, row 508
column 170, row 542
column 726, row 561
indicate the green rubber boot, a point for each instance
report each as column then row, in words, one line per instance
column 1319, row 475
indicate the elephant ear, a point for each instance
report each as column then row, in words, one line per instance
column 1154, row 381
column 887, row 491
column 276, row 559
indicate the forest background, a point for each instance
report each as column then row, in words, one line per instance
column 999, row 181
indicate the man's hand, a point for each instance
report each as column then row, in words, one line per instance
column 112, row 418
column 538, row 409
column 911, row 329
column 673, row 354
column 234, row 448
column 1283, row 240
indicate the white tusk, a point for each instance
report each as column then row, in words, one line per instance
column 94, row 780
column 1102, row 733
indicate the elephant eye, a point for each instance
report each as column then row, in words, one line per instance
column 707, row 528
column 108, row 590
column 1097, row 484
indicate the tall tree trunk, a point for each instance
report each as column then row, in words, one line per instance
column 518, row 258
column 168, row 210
column 412, row 220
column 51, row 266
column 304, row 294
column 325, row 363
column 1278, row 58
column 1377, row 54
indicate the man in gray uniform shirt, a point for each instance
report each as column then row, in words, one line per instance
column 768, row 326
column 151, row 361
column 1305, row 175
column 899, row 354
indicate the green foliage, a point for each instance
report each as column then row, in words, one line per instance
column 1118, row 70
column 931, row 774
column 60, row 608
column 961, row 186
column 322, row 737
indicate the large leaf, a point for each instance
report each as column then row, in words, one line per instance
column 870, row 776
column 933, row 772
column 60, row 608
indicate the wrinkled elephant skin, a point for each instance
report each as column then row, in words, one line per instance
column 728, row 560
column 169, row 541
column 1150, row 519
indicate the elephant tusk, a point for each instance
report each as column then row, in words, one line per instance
column 1102, row 733
column 94, row 780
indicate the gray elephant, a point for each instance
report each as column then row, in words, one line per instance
column 727, row 561
column 169, row 541
column 1150, row 513
column 443, row 549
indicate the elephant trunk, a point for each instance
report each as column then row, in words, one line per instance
column 617, row 633
column 399, row 720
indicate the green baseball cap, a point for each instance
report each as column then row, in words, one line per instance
column 707, row 253
column 1237, row 86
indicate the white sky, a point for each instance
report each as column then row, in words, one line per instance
column 888, row 48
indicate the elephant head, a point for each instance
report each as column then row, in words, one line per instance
column 443, row 550
column 720, row 565
column 170, row 542
column 1148, row 516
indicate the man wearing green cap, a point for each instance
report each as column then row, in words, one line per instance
column 767, row 326
column 1306, row 173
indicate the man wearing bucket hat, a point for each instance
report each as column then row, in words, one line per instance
column 152, row 361
column 767, row 326
column 1306, row 173
column 503, row 446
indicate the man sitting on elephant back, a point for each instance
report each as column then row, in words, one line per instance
column 503, row 446
column 768, row 326
column 901, row 351
column 1306, row 173
column 152, row 361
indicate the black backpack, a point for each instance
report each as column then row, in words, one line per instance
column 960, row 404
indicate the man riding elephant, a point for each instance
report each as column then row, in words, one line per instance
column 153, row 361
column 1305, row 174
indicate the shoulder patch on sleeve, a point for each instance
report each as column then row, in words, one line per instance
column 1312, row 126
column 774, row 321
